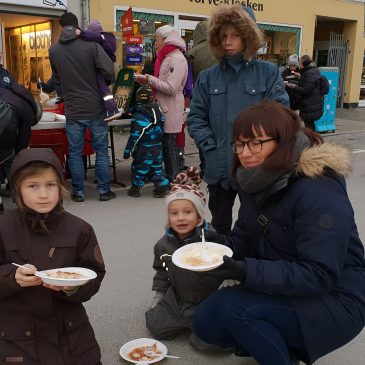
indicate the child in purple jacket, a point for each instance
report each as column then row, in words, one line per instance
column 94, row 33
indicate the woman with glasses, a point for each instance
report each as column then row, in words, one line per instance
column 296, row 249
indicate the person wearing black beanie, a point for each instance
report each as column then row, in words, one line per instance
column 69, row 19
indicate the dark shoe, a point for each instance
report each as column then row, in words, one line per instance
column 294, row 359
column 134, row 192
column 77, row 198
column 112, row 116
column 107, row 196
column 161, row 192
column 201, row 345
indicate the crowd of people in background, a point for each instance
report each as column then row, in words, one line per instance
column 293, row 289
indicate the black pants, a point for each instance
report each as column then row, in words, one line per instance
column 220, row 205
column 6, row 159
column 171, row 316
column 309, row 124
column 170, row 155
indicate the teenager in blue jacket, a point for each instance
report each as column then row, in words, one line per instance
column 297, row 251
column 221, row 92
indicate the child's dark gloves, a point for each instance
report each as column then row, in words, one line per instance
column 234, row 269
column 126, row 155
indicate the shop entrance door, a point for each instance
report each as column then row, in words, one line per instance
column 186, row 29
column 337, row 57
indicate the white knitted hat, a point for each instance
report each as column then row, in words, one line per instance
column 186, row 186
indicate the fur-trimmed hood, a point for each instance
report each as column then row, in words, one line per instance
column 314, row 160
column 244, row 21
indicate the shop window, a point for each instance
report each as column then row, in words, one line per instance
column 144, row 25
column 27, row 53
column 280, row 43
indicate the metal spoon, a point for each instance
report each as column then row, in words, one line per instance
column 204, row 254
column 152, row 353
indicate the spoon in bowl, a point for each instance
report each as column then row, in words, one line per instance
column 152, row 353
column 204, row 254
column 23, row 267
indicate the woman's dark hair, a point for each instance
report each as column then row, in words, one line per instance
column 305, row 60
column 278, row 122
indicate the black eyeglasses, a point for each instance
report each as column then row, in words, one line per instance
column 254, row 145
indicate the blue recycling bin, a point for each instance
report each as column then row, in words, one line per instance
column 327, row 122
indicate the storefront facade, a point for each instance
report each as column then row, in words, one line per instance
column 290, row 26
column 27, row 30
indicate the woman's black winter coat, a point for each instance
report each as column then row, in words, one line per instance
column 311, row 99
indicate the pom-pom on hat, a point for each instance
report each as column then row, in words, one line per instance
column 293, row 60
column 95, row 27
column 186, row 186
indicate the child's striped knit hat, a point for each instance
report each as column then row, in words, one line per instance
column 186, row 186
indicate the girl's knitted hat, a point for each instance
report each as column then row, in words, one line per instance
column 95, row 27
column 186, row 186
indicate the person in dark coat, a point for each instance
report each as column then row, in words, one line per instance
column 292, row 73
column 201, row 58
column 40, row 323
column 178, row 291
column 84, row 106
column 296, row 248
column 311, row 102
column 19, row 112
column 200, row 55
column 95, row 33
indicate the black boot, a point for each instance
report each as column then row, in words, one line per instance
column 134, row 191
column 161, row 192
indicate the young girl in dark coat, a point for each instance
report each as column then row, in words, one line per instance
column 95, row 33
column 178, row 291
column 39, row 323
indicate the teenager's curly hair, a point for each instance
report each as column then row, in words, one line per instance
column 236, row 16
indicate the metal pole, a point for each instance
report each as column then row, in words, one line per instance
column 84, row 13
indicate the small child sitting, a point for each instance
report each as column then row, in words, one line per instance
column 145, row 145
column 179, row 291
column 94, row 33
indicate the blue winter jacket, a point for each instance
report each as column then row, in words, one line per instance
column 146, row 128
column 310, row 251
column 220, row 93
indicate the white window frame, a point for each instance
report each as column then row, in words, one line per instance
column 155, row 11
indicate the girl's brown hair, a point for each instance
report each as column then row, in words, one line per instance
column 236, row 16
column 33, row 169
column 278, row 122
